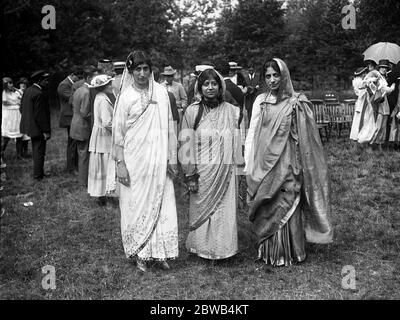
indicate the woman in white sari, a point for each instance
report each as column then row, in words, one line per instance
column 144, row 147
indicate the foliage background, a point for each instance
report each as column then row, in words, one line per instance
column 308, row 34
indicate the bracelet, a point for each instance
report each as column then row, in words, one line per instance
column 119, row 161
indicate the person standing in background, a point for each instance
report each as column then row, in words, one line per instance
column 80, row 125
column 65, row 90
column 118, row 70
column 35, row 120
column 177, row 90
column 11, row 117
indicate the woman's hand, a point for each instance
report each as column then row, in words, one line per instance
column 398, row 115
column 123, row 175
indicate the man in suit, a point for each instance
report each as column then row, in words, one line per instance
column 253, row 86
column 35, row 120
column 176, row 89
column 65, row 90
column 81, row 128
column 223, row 68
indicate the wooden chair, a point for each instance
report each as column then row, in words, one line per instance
column 349, row 106
column 339, row 116
column 321, row 117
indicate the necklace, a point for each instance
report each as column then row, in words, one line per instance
column 213, row 116
column 144, row 96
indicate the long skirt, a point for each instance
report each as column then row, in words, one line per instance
column 355, row 127
column 368, row 128
column 101, row 166
column 381, row 127
column 287, row 245
column 217, row 237
column 10, row 122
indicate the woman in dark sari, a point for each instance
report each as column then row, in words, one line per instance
column 287, row 174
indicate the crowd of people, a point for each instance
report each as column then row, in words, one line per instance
column 376, row 119
column 130, row 135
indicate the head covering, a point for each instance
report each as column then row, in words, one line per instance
column 127, row 80
column 39, row 75
column 100, row 80
column 360, row 70
column 234, row 66
column 384, row 64
column 168, row 71
column 7, row 79
column 201, row 67
column 286, row 87
column 198, row 96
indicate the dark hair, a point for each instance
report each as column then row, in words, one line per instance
column 137, row 58
column 88, row 71
column 156, row 74
column 271, row 63
column 205, row 75
column 23, row 80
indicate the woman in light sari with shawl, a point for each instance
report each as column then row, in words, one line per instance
column 144, row 147
column 208, row 161
column 287, row 174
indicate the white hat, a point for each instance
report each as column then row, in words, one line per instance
column 202, row 67
column 119, row 65
column 100, row 80
column 234, row 65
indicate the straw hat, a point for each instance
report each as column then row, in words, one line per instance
column 234, row 66
column 100, row 81
column 168, row 71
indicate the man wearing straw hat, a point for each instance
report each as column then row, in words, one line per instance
column 119, row 70
column 176, row 88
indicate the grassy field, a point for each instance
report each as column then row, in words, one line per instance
column 66, row 229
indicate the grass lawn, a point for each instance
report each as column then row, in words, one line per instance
column 66, row 229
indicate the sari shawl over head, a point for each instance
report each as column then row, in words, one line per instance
column 284, row 154
column 143, row 127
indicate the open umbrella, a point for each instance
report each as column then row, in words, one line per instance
column 383, row 50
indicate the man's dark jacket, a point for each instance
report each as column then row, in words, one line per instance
column 35, row 112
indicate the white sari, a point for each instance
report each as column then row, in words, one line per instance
column 143, row 127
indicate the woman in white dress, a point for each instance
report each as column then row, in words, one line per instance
column 144, row 147
column 360, row 91
column 11, row 116
column 101, row 164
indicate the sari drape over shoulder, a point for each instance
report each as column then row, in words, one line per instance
column 287, row 175
column 212, row 212
column 143, row 128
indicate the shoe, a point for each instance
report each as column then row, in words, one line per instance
column 164, row 265
column 141, row 265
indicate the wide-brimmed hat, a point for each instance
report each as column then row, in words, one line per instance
column 201, row 67
column 384, row 64
column 168, row 71
column 360, row 70
column 100, row 81
column 39, row 75
column 234, row 66
column 7, row 79
column 119, row 65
